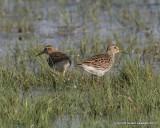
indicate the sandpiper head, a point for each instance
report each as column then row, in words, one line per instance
column 112, row 48
column 48, row 50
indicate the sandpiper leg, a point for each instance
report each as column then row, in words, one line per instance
column 64, row 71
column 94, row 79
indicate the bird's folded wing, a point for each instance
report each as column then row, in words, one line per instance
column 98, row 61
column 58, row 57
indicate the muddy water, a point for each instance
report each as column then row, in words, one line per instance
column 53, row 21
column 66, row 23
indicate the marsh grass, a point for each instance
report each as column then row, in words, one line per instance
column 131, row 93
column 33, row 95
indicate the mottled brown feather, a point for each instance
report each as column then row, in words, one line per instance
column 101, row 61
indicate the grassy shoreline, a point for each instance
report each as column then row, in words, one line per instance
column 131, row 93
column 34, row 96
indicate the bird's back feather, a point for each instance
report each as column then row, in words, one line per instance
column 102, row 61
column 57, row 57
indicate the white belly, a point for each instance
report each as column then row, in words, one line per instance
column 95, row 71
column 61, row 66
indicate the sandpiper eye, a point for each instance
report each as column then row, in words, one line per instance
column 115, row 47
column 45, row 49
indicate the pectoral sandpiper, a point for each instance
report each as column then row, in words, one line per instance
column 56, row 60
column 100, row 64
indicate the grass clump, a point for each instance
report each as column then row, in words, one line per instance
column 37, row 98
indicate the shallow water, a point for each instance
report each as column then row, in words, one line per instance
column 58, row 21
column 67, row 122
column 69, row 23
column 66, row 24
